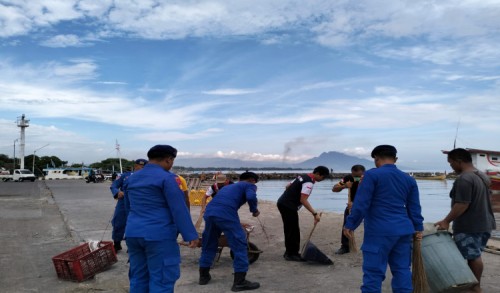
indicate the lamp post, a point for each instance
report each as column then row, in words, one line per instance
column 34, row 154
column 15, row 140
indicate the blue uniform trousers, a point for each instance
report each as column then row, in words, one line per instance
column 378, row 251
column 236, row 239
column 119, row 221
column 154, row 265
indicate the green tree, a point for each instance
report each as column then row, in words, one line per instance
column 43, row 162
column 5, row 161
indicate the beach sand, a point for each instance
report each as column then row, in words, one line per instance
column 278, row 275
column 41, row 220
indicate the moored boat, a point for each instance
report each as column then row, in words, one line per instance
column 66, row 173
column 430, row 177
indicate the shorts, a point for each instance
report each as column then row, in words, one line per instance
column 471, row 245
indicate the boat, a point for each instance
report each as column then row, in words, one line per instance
column 489, row 163
column 430, row 177
column 66, row 173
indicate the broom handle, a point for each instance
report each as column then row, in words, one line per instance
column 198, row 222
column 310, row 235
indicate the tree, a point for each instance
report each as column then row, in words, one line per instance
column 43, row 162
column 5, row 161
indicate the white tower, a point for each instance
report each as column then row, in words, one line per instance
column 23, row 123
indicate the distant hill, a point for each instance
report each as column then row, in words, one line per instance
column 337, row 161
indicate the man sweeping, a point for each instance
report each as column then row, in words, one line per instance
column 295, row 196
column 221, row 215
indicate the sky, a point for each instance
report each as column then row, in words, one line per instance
column 277, row 81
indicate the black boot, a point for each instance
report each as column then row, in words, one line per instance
column 241, row 284
column 204, row 276
column 118, row 246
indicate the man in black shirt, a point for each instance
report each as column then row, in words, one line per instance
column 351, row 182
column 294, row 197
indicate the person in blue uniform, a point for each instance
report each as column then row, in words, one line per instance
column 388, row 201
column 221, row 215
column 120, row 216
column 157, row 213
column 295, row 196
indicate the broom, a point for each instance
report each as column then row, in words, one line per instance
column 352, row 240
column 419, row 279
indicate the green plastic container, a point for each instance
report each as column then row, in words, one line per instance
column 445, row 267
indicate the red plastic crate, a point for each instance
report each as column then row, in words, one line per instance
column 79, row 263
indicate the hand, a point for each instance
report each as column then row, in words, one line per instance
column 119, row 195
column 256, row 214
column 349, row 205
column 348, row 233
column 418, row 236
column 317, row 218
column 194, row 243
column 442, row 225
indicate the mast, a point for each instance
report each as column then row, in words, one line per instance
column 119, row 155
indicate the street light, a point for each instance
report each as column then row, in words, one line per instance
column 16, row 140
column 34, row 154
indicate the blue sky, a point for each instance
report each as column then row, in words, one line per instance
column 253, row 80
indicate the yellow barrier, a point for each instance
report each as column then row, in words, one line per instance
column 196, row 196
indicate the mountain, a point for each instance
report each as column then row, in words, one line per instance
column 337, row 161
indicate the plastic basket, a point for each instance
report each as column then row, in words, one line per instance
column 79, row 263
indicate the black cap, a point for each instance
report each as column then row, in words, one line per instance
column 247, row 175
column 141, row 162
column 384, row 150
column 161, row 151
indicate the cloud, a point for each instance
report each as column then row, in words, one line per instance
column 230, row 92
column 178, row 136
column 246, row 156
column 62, row 41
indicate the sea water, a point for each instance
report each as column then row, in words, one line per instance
column 434, row 196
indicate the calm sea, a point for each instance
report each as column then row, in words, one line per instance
column 434, row 196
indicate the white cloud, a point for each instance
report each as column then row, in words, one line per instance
column 62, row 41
column 230, row 92
column 178, row 136
column 246, row 156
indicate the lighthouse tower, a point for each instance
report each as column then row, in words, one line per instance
column 23, row 123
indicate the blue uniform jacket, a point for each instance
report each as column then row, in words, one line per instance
column 117, row 185
column 230, row 198
column 388, row 200
column 156, row 205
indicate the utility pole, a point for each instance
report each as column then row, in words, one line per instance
column 23, row 123
column 34, row 154
column 14, row 165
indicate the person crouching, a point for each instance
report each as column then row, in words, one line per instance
column 221, row 215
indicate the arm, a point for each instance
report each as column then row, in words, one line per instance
column 116, row 186
column 251, row 197
column 458, row 209
column 305, row 202
column 178, row 209
column 413, row 207
column 204, row 199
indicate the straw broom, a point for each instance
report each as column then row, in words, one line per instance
column 419, row 279
column 352, row 240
